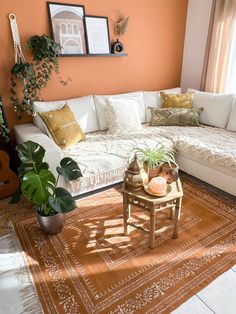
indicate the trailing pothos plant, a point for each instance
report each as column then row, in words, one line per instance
column 4, row 131
column 39, row 185
column 25, row 74
column 34, row 76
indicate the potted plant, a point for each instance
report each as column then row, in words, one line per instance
column 39, row 186
column 154, row 158
column 34, row 76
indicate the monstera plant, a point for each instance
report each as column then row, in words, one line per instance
column 39, row 185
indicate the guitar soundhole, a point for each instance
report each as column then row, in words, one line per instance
column 4, row 182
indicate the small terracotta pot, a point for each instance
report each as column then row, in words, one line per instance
column 154, row 172
column 51, row 224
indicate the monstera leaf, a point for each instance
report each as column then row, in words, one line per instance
column 62, row 201
column 30, row 153
column 23, row 168
column 69, row 169
column 37, row 187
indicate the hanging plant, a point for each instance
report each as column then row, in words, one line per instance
column 34, row 76
column 4, row 131
column 45, row 56
column 25, row 74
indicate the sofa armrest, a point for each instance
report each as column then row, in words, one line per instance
column 53, row 154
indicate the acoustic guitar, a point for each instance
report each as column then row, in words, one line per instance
column 9, row 181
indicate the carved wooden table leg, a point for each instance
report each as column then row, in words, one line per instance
column 152, row 227
column 177, row 217
column 171, row 213
column 126, row 214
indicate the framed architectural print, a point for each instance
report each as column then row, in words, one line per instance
column 97, row 34
column 67, row 25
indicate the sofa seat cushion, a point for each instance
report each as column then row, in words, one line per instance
column 103, row 158
column 213, row 145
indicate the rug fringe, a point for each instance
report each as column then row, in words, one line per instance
column 28, row 293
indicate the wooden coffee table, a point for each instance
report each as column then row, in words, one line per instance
column 153, row 205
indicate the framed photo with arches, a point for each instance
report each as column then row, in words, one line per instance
column 67, row 26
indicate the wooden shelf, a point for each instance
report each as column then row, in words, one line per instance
column 90, row 55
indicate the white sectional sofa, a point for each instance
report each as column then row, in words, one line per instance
column 207, row 152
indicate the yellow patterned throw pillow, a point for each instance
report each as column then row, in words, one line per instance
column 62, row 126
column 177, row 100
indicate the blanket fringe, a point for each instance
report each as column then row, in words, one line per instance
column 29, row 296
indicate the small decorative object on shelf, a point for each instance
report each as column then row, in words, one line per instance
column 121, row 27
column 135, row 176
column 117, row 47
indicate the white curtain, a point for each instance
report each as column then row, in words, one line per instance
column 219, row 74
column 230, row 82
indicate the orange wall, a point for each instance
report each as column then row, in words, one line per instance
column 154, row 43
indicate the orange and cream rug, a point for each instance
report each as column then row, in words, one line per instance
column 91, row 267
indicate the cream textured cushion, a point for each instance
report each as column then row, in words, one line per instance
column 122, row 115
column 82, row 107
column 100, row 102
column 217, row 107
column 232, row 119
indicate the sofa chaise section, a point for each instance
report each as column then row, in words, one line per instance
column 206, row 152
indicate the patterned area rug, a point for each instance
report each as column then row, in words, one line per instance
column 91, row 267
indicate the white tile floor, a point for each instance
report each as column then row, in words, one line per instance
column 218, row 297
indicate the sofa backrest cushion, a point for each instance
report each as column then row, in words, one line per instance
column 217, row 107
column 153, row 99
column 231, row 126
column 100, row 102
column 82, row 107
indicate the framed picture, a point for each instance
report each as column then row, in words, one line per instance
column 97, row 32
column 67, row 25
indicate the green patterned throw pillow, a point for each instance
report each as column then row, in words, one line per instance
column 175, row 116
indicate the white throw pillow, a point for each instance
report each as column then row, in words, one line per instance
column 153, row 99
column 217, row 107
column 100, row 102
column 231, row 126
column 82, row 107
column 122, row 115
